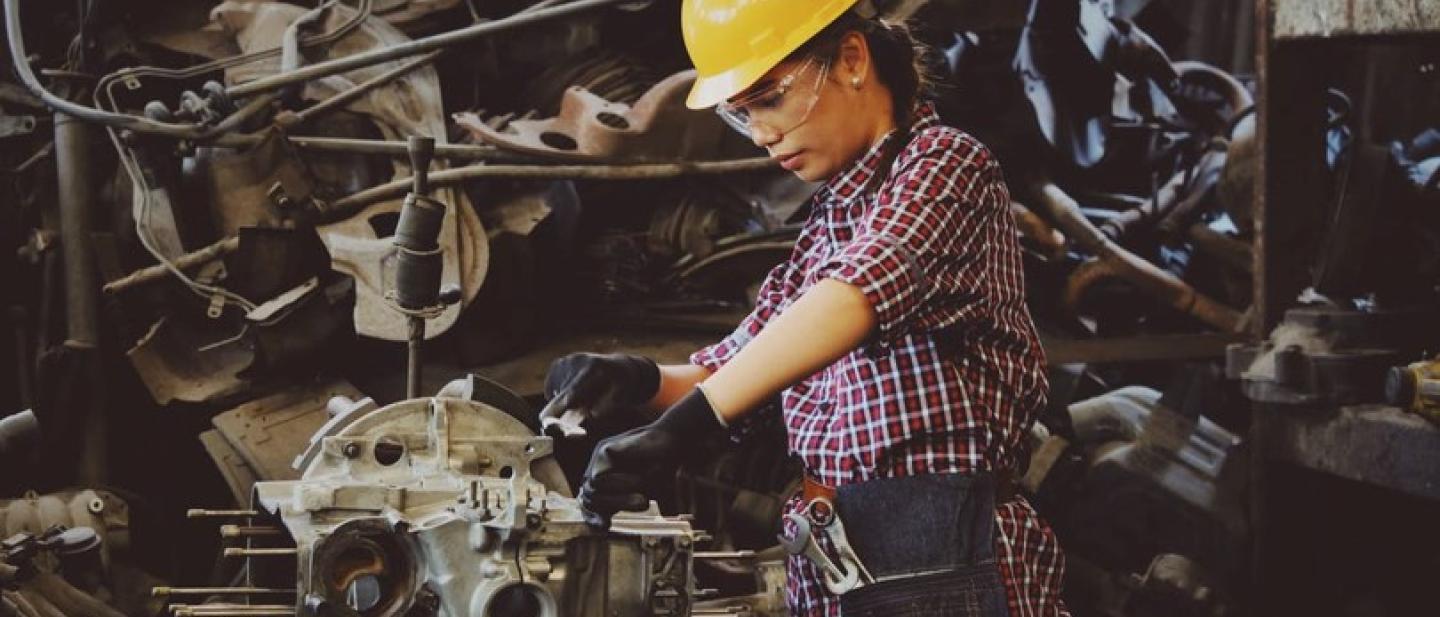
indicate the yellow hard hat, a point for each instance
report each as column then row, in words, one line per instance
column 734, row 42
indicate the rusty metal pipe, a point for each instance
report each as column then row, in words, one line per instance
column 1148, row 277
column 1050, row 242
column 351, row 204
column 411, row 48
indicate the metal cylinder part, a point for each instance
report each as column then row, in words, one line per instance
column 76, row 194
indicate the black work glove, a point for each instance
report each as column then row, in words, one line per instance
column 618, row 468
column 599, row 384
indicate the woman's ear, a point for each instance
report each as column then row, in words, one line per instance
column 853, row 59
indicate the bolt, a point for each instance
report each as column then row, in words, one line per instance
column 351, row 450
column 96, row 506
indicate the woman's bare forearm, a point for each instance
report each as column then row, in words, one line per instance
column 830, row 320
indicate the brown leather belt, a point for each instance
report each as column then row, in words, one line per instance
column 1005, row 488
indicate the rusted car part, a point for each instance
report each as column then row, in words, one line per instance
column 409, row 105
column 1146, row 276
column 590, row 128
column 445, row 504
column 107, row 515
column 1145, row 474
column 184, row 262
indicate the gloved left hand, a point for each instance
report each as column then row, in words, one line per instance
column 616, row 476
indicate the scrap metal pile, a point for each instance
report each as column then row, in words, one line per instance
column 207, row 194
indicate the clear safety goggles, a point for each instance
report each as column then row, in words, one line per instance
column 780, row 106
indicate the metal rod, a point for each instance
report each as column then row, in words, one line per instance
column 380, row 146
column 344, row 98
column 154, row 273
column 352, row 203
column 410, row 48
column 261, row 552
column 227, row 610
column 199, row 513
column 724, row 555
column 161, row 592
column 412, row 368
column 248, row 531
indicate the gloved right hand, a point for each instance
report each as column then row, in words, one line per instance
column 600, row 385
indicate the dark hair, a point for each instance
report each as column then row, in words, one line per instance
column 900, row 63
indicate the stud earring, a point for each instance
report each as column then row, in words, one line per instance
column 855, row 82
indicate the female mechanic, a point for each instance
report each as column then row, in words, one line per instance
column 896, row 334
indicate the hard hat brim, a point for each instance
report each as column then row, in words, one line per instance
column 714, row 89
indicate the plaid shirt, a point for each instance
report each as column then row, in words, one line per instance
column 955, row 375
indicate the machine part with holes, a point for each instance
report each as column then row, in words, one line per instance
column 591, row 129
column 359, row 246
column 456, row 504
column 99, row 510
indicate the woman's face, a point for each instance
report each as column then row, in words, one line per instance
column 811, row 116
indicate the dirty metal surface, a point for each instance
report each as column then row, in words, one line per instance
column 238, row 475
column 1296, row 19
column 1374, row 444
column 267, row 433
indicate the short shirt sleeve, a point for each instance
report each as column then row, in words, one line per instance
column 919, row 253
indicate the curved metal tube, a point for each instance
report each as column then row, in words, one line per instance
column 1065, row 211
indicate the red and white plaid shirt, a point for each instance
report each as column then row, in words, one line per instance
column 955, row 376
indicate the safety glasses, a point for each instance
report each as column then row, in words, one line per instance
column 780, row 106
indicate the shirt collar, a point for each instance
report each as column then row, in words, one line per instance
column 852, row 181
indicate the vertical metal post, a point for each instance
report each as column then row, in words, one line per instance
column 76, row 197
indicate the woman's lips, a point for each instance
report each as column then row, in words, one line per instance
column 790, row 162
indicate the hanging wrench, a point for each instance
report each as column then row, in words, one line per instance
column 849, row 561
column 803, row 543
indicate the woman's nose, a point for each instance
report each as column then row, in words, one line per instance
column 762, row 135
